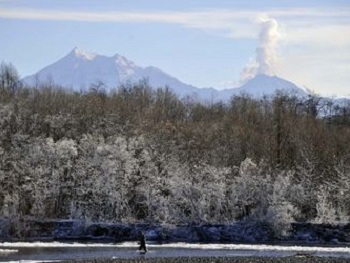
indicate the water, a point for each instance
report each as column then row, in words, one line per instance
column 38, row 251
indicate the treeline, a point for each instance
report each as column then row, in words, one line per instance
column 135, row 154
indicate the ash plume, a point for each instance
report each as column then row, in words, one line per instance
column 266, row 52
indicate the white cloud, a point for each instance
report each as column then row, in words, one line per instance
column 320, row 35
column 234, row 24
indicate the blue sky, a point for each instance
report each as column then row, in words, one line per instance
column 203, row 43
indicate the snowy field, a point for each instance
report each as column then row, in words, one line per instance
column 56, row 251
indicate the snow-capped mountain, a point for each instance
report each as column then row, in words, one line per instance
column 262, row 85
column 80, row 69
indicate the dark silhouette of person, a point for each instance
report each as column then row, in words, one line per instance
column 143, row 242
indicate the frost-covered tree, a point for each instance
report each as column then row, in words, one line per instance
column 263, row 197
column 9, row 79
column 327, row 212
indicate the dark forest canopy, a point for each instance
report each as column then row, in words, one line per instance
column 142, row 155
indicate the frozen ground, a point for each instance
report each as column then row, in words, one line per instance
column 56, row 251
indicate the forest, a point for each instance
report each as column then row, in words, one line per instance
column 138, row 154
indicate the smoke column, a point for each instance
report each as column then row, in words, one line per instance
column 266, row 52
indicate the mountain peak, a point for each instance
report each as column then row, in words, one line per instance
column 263, row 84
column 264, row 77
column 80, row 53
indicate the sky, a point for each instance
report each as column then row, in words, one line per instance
column 205, row 43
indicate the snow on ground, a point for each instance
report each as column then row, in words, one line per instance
column 53, row 244
column 257, row 247
column 8, row 251
column 32, row 261
column 180, row 245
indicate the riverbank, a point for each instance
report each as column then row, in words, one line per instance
column 295, row 259
column 238, row 232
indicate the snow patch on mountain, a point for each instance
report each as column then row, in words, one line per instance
column 84, row 54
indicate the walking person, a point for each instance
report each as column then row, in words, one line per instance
column 143, row 242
